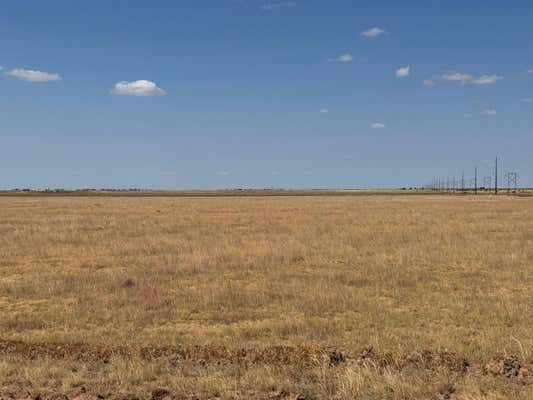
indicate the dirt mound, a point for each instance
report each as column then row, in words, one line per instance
column 431, row 360
column 284, row 355
column 336, row 357
column 174, row 354
column 221, row 354
column 508, row 366
column 422, row 360
column 161, row 394
column 75, row 351
column 17, row 392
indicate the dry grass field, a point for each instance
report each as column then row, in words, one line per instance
column 327, row 297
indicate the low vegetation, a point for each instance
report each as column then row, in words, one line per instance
column 315, row 297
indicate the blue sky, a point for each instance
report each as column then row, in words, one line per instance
column 258, row 93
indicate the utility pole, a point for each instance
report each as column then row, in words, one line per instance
column 463, row 182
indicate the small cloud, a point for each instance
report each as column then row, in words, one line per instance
column 137, row 88
column 530, row 71
column 324, row 111
column 377, row 125
column 429, row 83
column 373, row 32
column 489, row 112
column 222, row 173
column 403, row 72
column 33, row 76
column 487, row 79
column 527, row 100
column 467, row 115
column 276, row 6
column 463, row 79
column 344, row 58
column 457, row 77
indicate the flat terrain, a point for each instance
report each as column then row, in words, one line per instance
column 305, row 297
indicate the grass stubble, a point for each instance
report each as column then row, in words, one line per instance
column 366, row 297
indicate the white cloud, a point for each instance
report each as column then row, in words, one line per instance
column 275, row 6
column 487, row 79
column 345, row 57
column 324, row 111
column 467, row 115
column 489, row 112
column 33, row 76
column 463, row 79
column 222, row 173
column 403, row 72
column 527, row 100
column 530, row 71
column 138, row 88
column 457, row 77
column 373, row 32
column 377, row 125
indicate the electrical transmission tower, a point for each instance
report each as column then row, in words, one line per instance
column 487, row 182
column 512, row 181
column 496, row 177
column 472, row 182
column 475, row 180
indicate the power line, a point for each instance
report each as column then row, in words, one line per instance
column 454, row 184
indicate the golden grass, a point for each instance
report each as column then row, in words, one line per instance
column 404, row 274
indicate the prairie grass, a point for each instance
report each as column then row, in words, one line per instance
column 403, row 274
